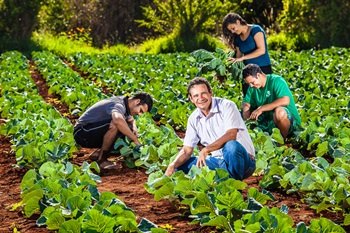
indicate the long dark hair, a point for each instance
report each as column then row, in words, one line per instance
column 228, row 36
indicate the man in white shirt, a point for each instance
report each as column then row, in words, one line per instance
column 219, row 127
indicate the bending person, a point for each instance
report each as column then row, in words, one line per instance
column 106, row 120
column 248, row 41
column 269, row 101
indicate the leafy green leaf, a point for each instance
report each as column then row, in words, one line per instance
column 70, row 226
column 94, row 221
column 322, row 149
column 277, row 136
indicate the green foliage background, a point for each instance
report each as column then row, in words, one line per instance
column 180, row 25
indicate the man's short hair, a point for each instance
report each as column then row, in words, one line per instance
column 198, row 81
column 251, row 70
column 144, row 99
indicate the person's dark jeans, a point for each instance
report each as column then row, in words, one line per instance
column 236, row 161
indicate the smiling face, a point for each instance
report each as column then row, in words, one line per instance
column 201, row 97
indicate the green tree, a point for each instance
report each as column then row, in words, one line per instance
column 114, row 21
column 297, row 20
column 18, row 18
column 73, row 17
column 262, row 12
column 332, row 24
column 316, row 23
column 99, row 22
column 187, row 18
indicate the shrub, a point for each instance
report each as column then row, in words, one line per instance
column 176, row 43
column 25, row 45
column 64, row 46
column 280, row 41
column 316, row 23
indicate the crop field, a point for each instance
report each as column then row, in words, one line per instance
column 47, row 183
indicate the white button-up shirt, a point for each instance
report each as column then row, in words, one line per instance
column 222, row 117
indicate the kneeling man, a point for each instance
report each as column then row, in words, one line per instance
column 108, row 119
column 269, row 101
column 218, row 126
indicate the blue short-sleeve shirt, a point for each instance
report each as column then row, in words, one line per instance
column 248, row 46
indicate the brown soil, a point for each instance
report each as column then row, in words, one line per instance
column 10, row 179
column 127, row 183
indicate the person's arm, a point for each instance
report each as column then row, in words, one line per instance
column 122, row 125
column 260, row 47
column 132, row 125
column 245, row 111
column 184, row 154
column 230, row 134
column 280, row 102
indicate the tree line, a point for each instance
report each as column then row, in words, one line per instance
column 297, row 24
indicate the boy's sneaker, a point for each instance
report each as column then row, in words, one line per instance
column 94, row 155
column 107, row 167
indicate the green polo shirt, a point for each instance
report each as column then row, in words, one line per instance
column 276, row 87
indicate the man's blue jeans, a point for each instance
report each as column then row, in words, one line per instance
column 235, row 160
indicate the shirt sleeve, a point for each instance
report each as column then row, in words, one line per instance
column 256, row 29
column 232, row 117
column 191, row 137
column 118, row 107
column 281, row 88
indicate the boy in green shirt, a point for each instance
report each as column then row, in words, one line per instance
column 269, row 101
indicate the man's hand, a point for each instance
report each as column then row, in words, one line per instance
column 256, row 113
column 245, row 111
column 201, row 158
column 184, row 154
column 170, row 170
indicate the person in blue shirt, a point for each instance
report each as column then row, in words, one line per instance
column 248, row 41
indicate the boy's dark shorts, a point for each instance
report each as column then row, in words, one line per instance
column 266, row 122
column 91, row 135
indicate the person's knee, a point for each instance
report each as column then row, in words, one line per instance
column 230, row 146
column 280, row 114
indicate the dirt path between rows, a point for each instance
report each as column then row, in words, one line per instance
column 127, row 183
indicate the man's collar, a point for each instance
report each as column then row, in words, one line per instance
column 214, row 108
column 214, row 105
